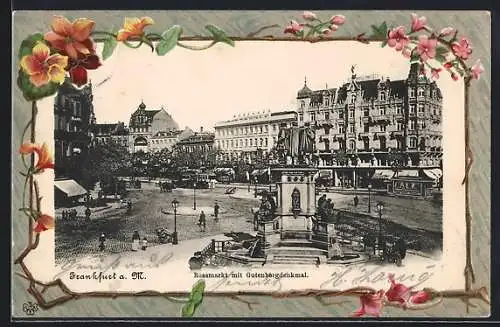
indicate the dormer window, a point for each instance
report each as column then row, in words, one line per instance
column 353, row 98
column 302, row 104
column 420, row 92
column 411, row 92
column 382, row 96
column 327, row 102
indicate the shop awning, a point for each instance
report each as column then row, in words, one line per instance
column 228, row 171
column 435, row 173
column 70, row 187
column 259, row 172
column 325, row 173
column 408, row 173
column 383, row 174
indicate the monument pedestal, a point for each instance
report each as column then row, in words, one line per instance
column 264, row 233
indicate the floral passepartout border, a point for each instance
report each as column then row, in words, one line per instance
column 68, row 50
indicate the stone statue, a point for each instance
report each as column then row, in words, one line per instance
column 296, row 143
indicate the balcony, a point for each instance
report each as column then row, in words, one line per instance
column 396, row 134
column 381, row 118
column 399, row 117
column 364, row 135
column 366, row 119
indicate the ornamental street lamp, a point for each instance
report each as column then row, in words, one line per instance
column 380, row 207
column 194, row 196
column 174, row 235
column 255, row 187
column 369, row 198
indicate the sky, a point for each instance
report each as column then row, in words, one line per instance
column 199, row 88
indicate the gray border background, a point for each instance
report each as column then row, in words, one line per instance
column 474, row 24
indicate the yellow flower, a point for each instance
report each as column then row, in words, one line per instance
column 133, row 27
column 43, row 68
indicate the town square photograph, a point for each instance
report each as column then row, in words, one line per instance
column 262, row 157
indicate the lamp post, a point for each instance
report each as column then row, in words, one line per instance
column 255, row 187
column 174, row 235
column 194, row 196
column 380, row 207
column 369, row 198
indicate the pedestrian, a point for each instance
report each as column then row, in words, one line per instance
column 216, row 211
column 356, row 200
column 144, row 244
column 136, row 238
column 321, row 208
column 102, row 241
column 87, row 214
column 337, row 252
column 63, row 215
column 202, row 222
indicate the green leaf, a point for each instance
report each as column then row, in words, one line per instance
column 169, row 40
column 109, row 46
column 441, row 51
column 440, row 58
column 383, row 44
column 188, row 309
column 414, row 56
column 28, row 43
column 196, row 295
column 219, row 35
column 379, row 31
column 33, row 93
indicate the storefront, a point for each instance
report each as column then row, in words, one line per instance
column 411, row 182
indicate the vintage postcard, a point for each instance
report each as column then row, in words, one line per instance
column 246, row 165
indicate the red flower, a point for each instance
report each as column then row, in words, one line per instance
column 417, row 23
column 454, row 76
column 371, row 304
column 420, row 297
column 43, row 223
column 78, row 68
column 426, row 47
column 477, row 69
column 462, row 49
column 447, row 65
column 294, row 27
column 397, row 292
column 397, row 38
column 435, row 73
column 44, row 157
column 72, row 39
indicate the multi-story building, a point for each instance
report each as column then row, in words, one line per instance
column 167, row 140
column 73, row 125
column 246, row 135
column 144, row 124
column 116, row 133
column 198, row 142
column 364, row 124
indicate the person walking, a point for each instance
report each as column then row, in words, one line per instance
column 102, row 242
column 136, row 238
column 87, row 214
column 202, row 222
column 216, row 211
column 144, row 244
column 356, row 200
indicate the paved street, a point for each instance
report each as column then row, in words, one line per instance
column 80, row 239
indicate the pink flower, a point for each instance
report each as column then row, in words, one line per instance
column 435, row 73
column 417, row 23
column 426, row 47
column 477, row 69
column 447, row 65
column 294, row 27
column 337, row 20
column 371, row 304
column 446, row 31
column 406, row 52
column 398, row 39
column 454, row 76
column 309, row 15
column 420, row 297
column 333, row 27
column 397, row 292
column 462, row 49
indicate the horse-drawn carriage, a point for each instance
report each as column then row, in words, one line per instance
column 166, row 186
column 164, row 235
column 391, row 251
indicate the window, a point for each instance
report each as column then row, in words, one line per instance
column 398, row 109
column 366, row 144
column 382, row 96
column 399, row 144
column 251, row 142
column 399, row 126
column 411, row 92
column 382, row 110
column 421, row 124
column 366, row 112
column 341, row 114
column 265, row 128
column 413, row 142
column 313, row 116
column 275, row 127
column 412, row 108
column 327, row 102
column 351, row 128
column 433, row 93
column 434, row 111
column 341, row 129
column 366, row 128
column 351, row 113
column 301, row 117
column 383, row 143
column 327, row 115
column 352, row 144
column 353, row 98
column 420, row 92
column 255, row 142
column 411, row 127
column 246, row 142
column 383, row 128
column 327, row 130
column 265, row 141
column 421, row 108
column 302, row 104
column 232, row 144
column 260, row 129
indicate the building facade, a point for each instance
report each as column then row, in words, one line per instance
column 116, row 133
column 246, row 135
column 363, row 125
column 167, row 140
column 145, row 124
column 74, row 122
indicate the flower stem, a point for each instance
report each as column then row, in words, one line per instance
column 192, row 47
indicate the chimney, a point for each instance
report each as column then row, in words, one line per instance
column 201, row 129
